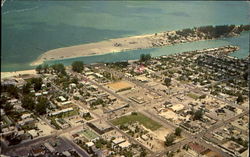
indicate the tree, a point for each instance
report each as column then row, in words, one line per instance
column 198, row 114
column 26, row 88
column 45, row 68
column 7, row 108
column 240, row 99
column 77, row 66
column 167, row 81
column 37, row 83
column 59, row 68
column 178, row 131
column 28, row 102
column 42, row 105
column 11, row 89
column 74, row 80
column 169, row 140
column 39, row 69
column 145, row 57
column 202, row 96
column 143, row 153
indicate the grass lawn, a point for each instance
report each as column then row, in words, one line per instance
column 142, row 119
column 192, row 95
column 89, row 134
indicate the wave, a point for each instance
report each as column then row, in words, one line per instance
column 20, row 10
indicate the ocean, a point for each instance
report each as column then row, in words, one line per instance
column 30, row 28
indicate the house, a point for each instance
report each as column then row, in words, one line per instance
column 37, row 151
column 100, row 126
column 33, row 133
column 66, row 153
column 62, row 123
column 90, row 144
column 2, row 112
column 144, row 137
column 66, row 103
column 12, row 101
column 45, row 93
column 49, row 147
column 26, row 115
column 83, row 112
column 62, row 98
column 98, row 75
column 177, row 107
column 38, row 94
column 125, row 144
column 26, row 121
column 61, row 111
column 118, row 140
column 72, row 85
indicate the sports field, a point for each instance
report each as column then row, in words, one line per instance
column 142, row 119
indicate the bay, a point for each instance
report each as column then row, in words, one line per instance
column 30, row 28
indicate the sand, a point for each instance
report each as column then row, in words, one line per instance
column 17, row 73
column 107, row 46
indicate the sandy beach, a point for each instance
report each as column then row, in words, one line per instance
column 130, row 43
column 107, row 46
column 17, row 73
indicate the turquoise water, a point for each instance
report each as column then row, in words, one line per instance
column 167, row 50
column 29, row 28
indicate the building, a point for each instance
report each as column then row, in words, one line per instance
column 33, row 133
column 118, row 141
column 177, row 107
column 61, row 111
column 124, row 145
column 62, row 98
column 49, row 147
column 100, row 126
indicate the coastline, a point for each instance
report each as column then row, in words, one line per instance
column 139, row 42
column 97, row 48
column 5, row 75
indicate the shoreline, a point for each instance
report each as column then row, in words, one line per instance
column 5, row 75
column 96, row 48
column 135, row 43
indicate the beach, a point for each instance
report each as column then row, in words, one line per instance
column 137, row 42
column 98, row 48
column 17, row 73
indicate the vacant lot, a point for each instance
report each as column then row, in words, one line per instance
column 137, row 117
column 120, row 86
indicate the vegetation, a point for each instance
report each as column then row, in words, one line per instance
column 37, row 83
column 42, row 105
column 240, row 99
column 178, row 131
column 28, row 102
column 145, row 121
column 59, row 68
column 12, row 90
column 192, row 95
column 145, row 57
column 240, row 141
column 198, row 114
column 77, row 66
column 167, row 81
column 169, row 139
column 26, row 88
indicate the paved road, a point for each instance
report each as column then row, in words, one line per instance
column 79, row 150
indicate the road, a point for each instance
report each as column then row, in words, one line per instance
column 79, row 150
